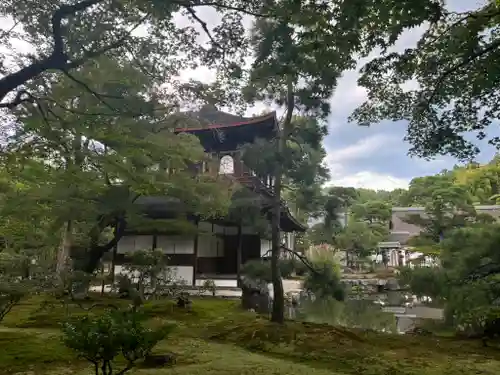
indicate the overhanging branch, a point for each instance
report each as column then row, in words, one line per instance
column 462, row 64
column 220, row 5
column 56, row 60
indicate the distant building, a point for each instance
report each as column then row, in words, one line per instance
column 402, row 231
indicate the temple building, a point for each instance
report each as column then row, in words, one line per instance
column 218, row 248
column 399, row 252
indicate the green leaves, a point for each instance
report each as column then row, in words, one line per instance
column 100, row 340
column 445, row 87
column 360, row 238
column 325, row 282
column 302, row 162
column 87, row 160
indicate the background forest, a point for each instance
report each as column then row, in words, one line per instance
column 458, row 239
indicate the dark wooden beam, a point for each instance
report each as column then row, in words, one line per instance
column 239, row 256
column 195, row 255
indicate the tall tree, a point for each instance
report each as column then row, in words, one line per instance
column 303, row 166
column 359, row 240
column 335, row 205
column 449, row 207
column 306, row 173
column 94, row 163
column 24, row 233
column 482, row 181
column 422, row 189
column 300, row 166
column 396, row 197
column 445, row 87
column 299, row 56
column 64, row 35
column 467, row 281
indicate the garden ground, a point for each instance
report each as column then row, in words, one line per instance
column 216, row 338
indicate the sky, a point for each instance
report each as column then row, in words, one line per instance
column 374, row 157
column 371, row 157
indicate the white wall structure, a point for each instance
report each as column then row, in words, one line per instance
column 226, row 165
column 392, row 249
column 289, row 240
column 180, row 274
column 265, row 247
column 210, row 246
column 175, row 244
column 169, row 244
column 128, row 244
column 220, row 283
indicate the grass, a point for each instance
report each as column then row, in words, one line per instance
column 215, row 337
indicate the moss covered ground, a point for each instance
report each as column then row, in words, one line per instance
column 215, row 337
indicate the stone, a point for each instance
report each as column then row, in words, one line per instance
column 255, row 296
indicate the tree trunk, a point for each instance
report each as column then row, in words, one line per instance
column 95, row 252
column 91, row 263
column 278, row 313
column 64, row 250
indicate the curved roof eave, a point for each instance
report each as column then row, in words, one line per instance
column 244, row 121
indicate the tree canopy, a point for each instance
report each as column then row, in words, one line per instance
column 445, row 87
column 64, row 36
column 88, row 165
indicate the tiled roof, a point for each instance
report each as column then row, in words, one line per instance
column 209, row 117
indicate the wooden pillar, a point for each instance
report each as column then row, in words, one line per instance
column 195, row 254
column 113, row 259
column 155, row 241
column 239, row 256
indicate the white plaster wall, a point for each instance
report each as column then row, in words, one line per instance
column 290, row 240
column 289, row 286
column 210, row 246
column 204, row 226
column 183, row 274
column 175, row 244
column 265, row 247
column 129, row 244
column 220, row 283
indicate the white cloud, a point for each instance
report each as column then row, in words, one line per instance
column 369, row 180
column 340, row 161
column 362, row 149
